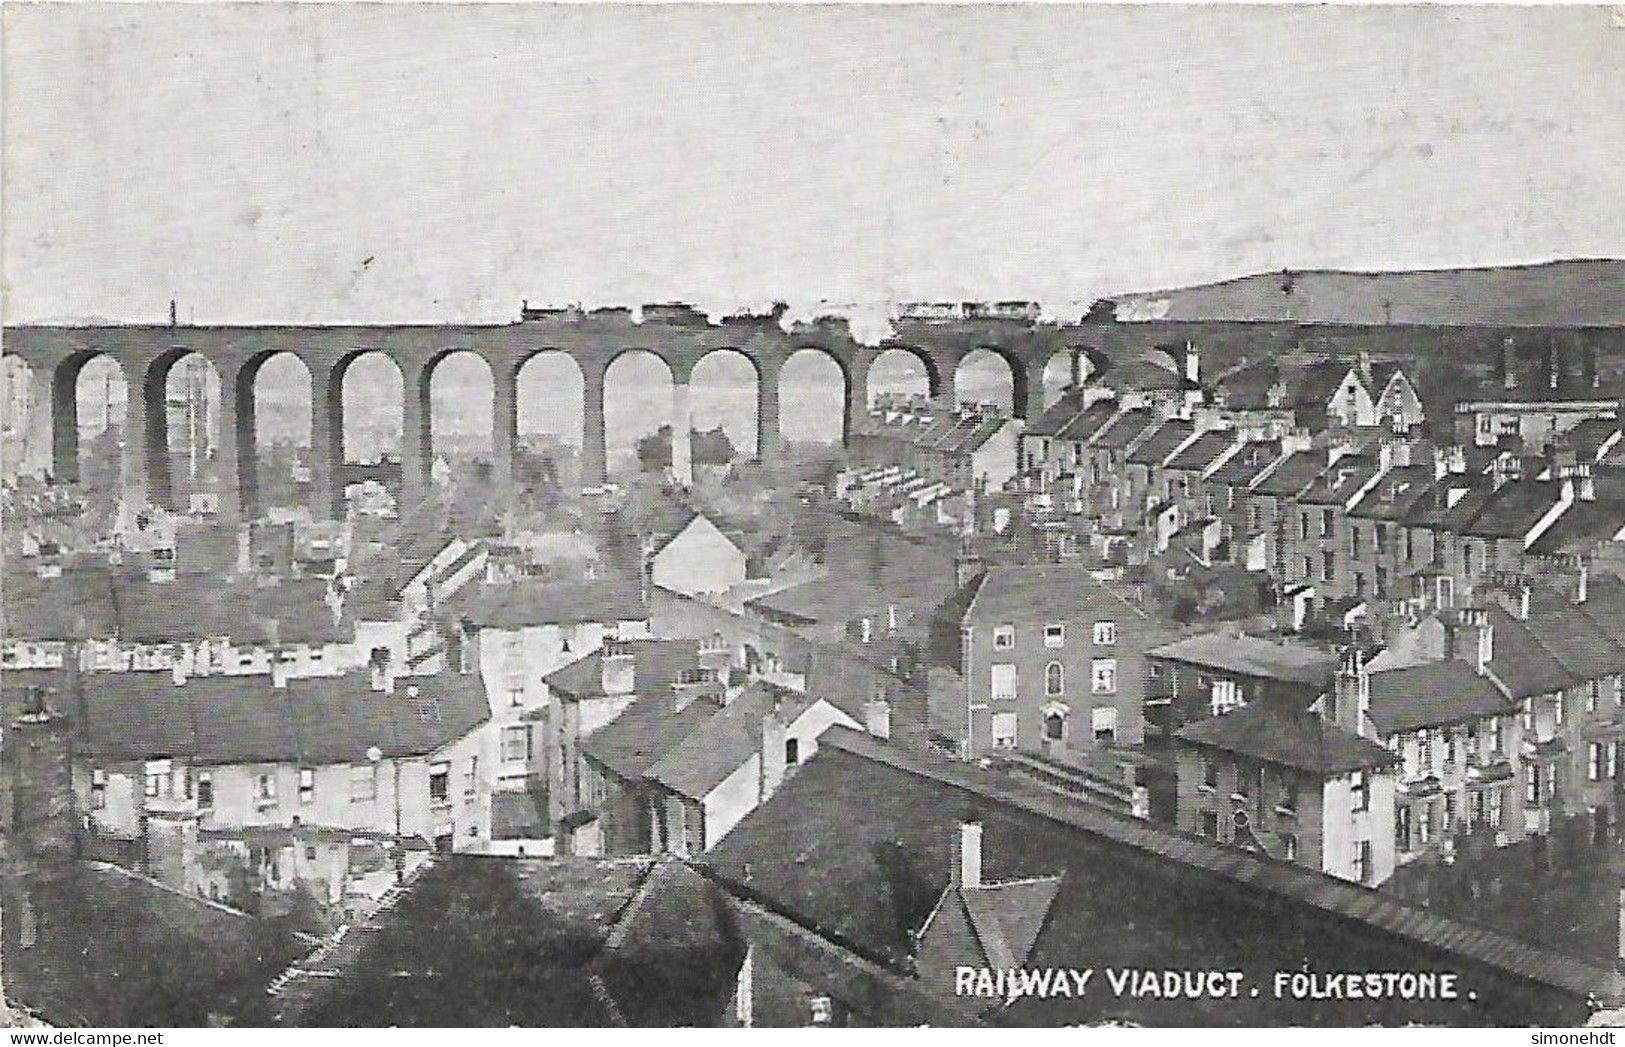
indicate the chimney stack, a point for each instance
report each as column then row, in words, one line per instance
column 967, row 867
column 618, row 670
column 1351, row 692
column 1582, row 583
column 774, row 737
column 877, row 717
column 1193, row 364
column 383, row 673
column 866, row 628
column 279, row 670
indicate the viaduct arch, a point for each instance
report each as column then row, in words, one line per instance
column 678, row 335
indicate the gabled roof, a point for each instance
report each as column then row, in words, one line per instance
column 1292, row 475
column 1252, row 656
column 1581, row 527
column 1563, row 627
column 524, row 603
column 656, row 664
column 1395, row 493
column 1432, row 695
column 1513, row 510
column 244, row 719
column 1340, row 480
column 1289, row 738
column 1124, row 429
column 1089, row 422
column 1162, row 443
column 1243, row 467
column 1054, row 592
column 716, row 748
column 1204, row 450
column 633, row 743
column 1058, row 414
column 1520, row 661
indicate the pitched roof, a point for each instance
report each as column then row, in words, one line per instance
column 1089, row 422
column 1581, row 527
column 1395, row 493
column 244, row 719
column 522, row 604
column 1124, row 429
column 1055, row 592
column 1252, row 656
column 1433, row 694
column 1292, row 475
column 1291, row 738
column 633, row 743
column 656, row 665
column 1204, row 450
column 1058, row 414
column 1520, row 661
column 1162, row 443
column 1243, row 467
column 716, row 748
column 1588, row 651
column 1340, row 480
column 1513, row 510
column 856, row 849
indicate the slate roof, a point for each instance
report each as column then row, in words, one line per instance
column 1162, row 443
column 1589, row 436
column 1252, row 656
column 1124, row 429
column 856, row 849
column 716, row 748
column 1248, row 385
column 1292, row 475
column 1514, row 509
column 1395, row 494
column 1054, row 592
column 244, row 719
column 1521, row 661
column 1564, row 628
column 657, row 664
column 1058, row 415
column 1581, row 527
column 1290, row 738
column 1204, row 450
column 524, row 603
column 1433, row 694
column 1337, row 484
column 1089, row 422
column 1243, row 467
column 641, row 737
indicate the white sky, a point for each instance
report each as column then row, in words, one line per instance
column 391, row 164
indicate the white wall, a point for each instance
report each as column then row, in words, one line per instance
column 700, row 559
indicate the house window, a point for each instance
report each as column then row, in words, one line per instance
column 471, row 780
column 1210, row 824
column 1210, row 773
column 1004, row 730
column 1494, row 729
column 1402, row 829
column 1532, row 789
column 792, row 752
column 1424, row 751
column 516, row 743
column 1289, row 847
column 1362, row 861
column 1004, row 680
column 1593, row 688
column 1054, row 679
column 439, row 781
column 98, row 790
column 1225, row 696
column 1495, row 803
column 265, row 788
column 205, row 789
column 307, row 784
column 1054, row 726
column 1613, row 759
column 1326, row 523
column 1103, row 676
column 363, row 782
column 158, row 777
column 1004, row 638
column 516, row 696
column 1105, row 634
column 1557, row 708
column 1289, row 793
column 1054, row 636
column 1104, row 722
column 1358, row 792
column 823, row 1010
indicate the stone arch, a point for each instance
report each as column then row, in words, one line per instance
column 986, row 374
column 738, row 414
column 903, row 370
column 630, row 416
column 813, row 375
column 271, row 424
column 182, row 390
column 550, row 418
column 85, row 383
column 458, row 390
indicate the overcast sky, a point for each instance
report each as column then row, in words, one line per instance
column 392, row 164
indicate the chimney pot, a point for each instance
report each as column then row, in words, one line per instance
column 968, row 868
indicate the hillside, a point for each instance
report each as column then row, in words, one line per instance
column 1582, row 292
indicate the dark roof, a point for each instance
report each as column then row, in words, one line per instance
column 1248, row 386
column 650, row 728
column 1291, row 738
column 656, row 664
column 244, row 719
column 1124, row 429
column 1292, row 475
column 1589, row 436
column 1252, row 656
column 1204, row 450
column 1520, row 661
column 856, row 847
column 1089, row 422
column 1243, row 467
column 1058, row 414
column 1340, row 480
column 1141, row 374
column 1052, row 592
column 1581, row 527
column 1431, row 695
column 1588, row 651
column 1514, row 509
column 700, row 761
column 1312, row 384
column 514, row 816
column 1395, row 493
column 519, row 604
column 1162, row 443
